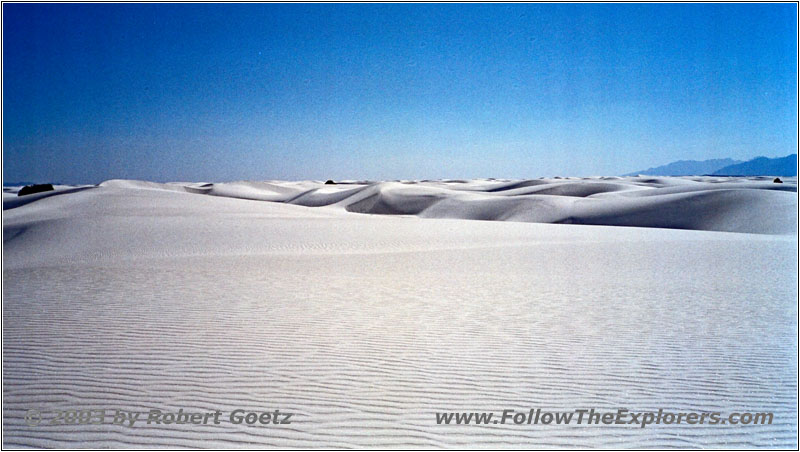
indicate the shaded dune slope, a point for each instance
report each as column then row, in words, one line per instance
column 751, row 205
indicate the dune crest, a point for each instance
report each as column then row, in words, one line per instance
column 749, row 205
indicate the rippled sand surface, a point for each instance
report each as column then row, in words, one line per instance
column 365, row 326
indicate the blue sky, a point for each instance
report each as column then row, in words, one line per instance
column 290, row 91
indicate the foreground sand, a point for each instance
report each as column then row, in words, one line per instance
column 138, row 296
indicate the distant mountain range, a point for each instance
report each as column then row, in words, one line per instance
column 759, row 166
column 762, row 166
column 687, row 168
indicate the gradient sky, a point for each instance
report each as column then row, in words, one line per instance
column 288, row 91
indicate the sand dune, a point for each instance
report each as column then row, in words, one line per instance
column 11, row 200
column 754, row 205
column 205, row 296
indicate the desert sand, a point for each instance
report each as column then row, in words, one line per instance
column 365, row 308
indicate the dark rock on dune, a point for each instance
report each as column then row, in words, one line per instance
column 778, row 180
column 330, row 182
column 36, row 188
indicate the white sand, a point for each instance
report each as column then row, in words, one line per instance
column 138, row 295
column 705, row 203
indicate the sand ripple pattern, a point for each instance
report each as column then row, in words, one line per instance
column 366, row 348
column 365, row 326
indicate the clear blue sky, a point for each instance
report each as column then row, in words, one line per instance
column 280, row 91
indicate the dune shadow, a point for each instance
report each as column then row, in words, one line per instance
column 19, row 201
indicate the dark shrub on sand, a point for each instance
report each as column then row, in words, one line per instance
column 330, row 182
column 36, row 188
column 778, row 180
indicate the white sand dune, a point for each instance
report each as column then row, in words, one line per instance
column 205, row 296
column 11, row 200
column 754, row 205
